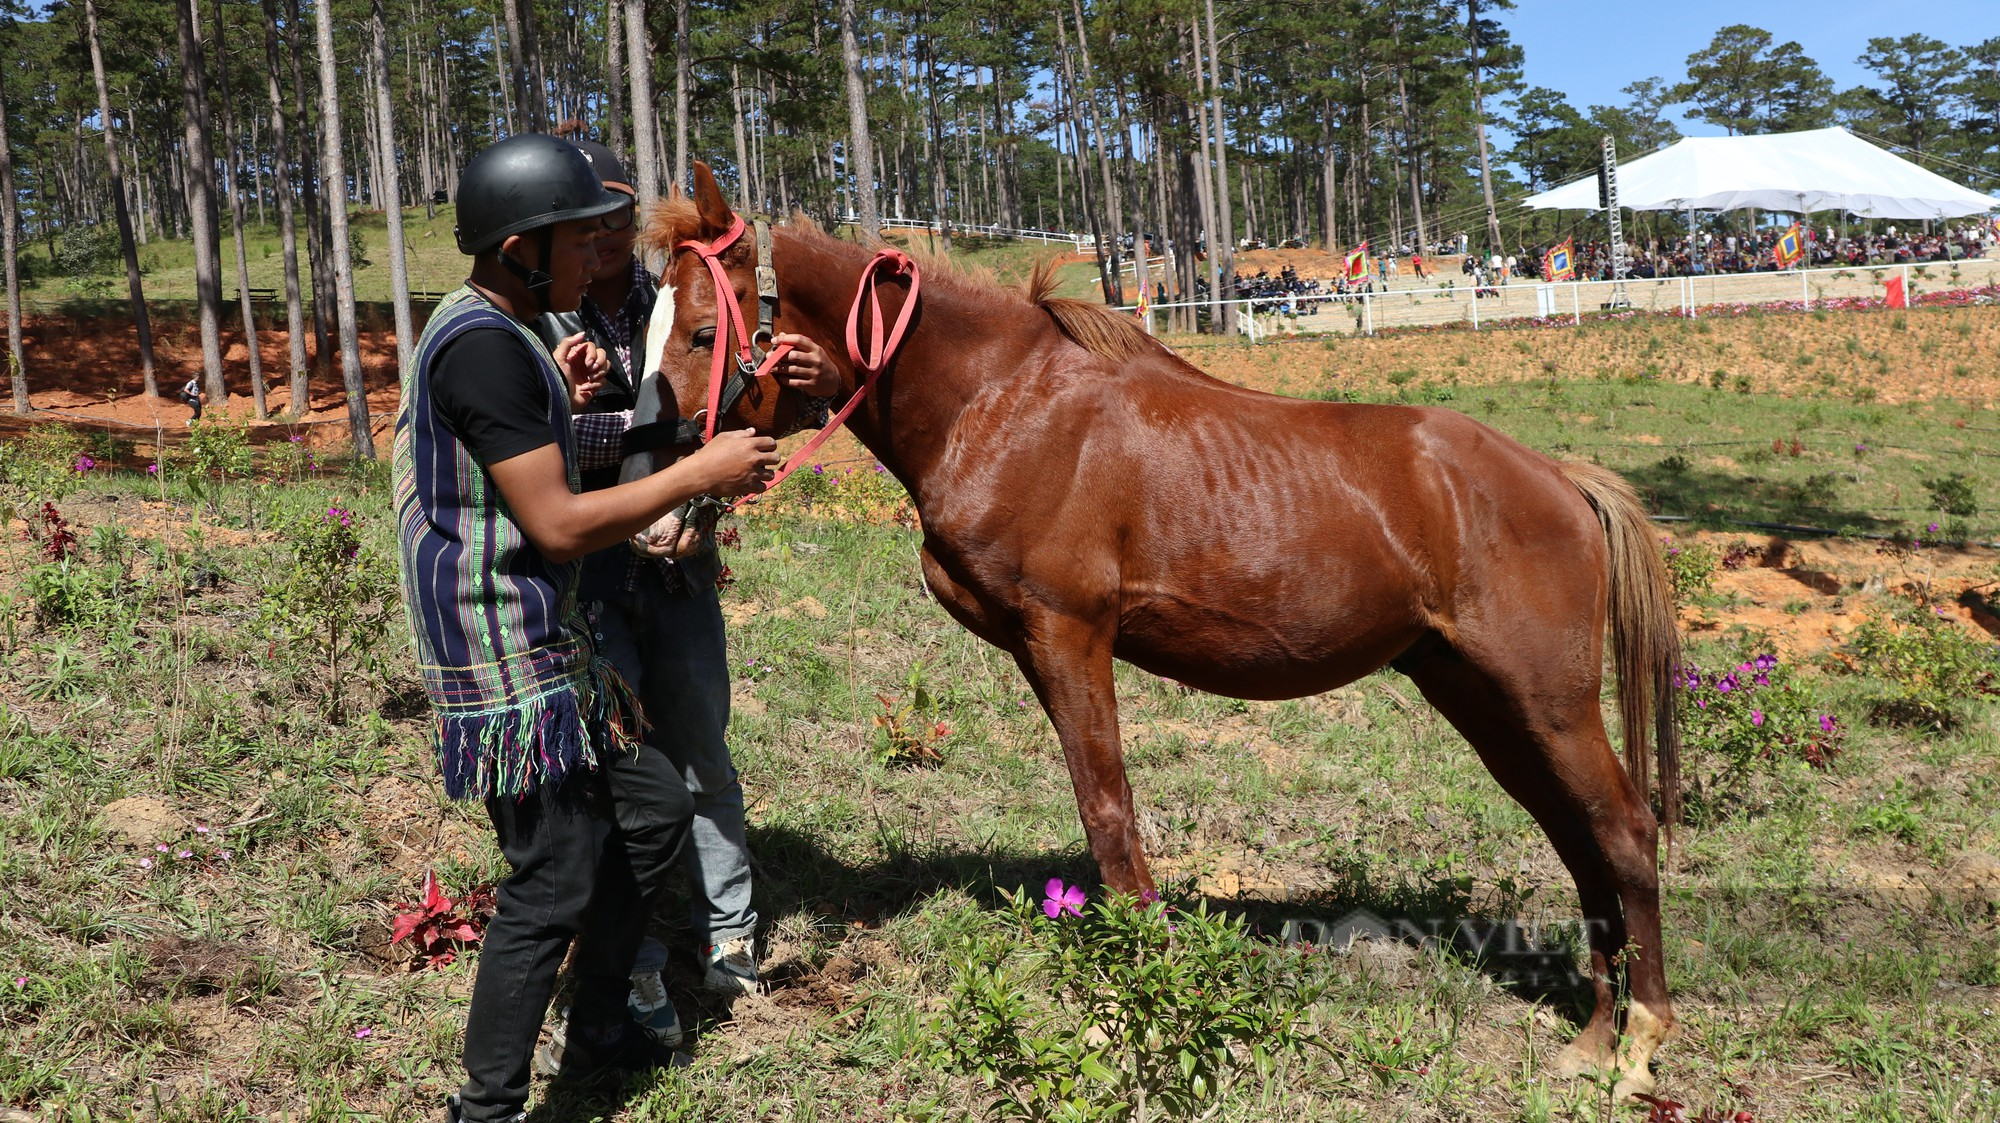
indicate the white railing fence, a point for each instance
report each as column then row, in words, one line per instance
column 1452, row 300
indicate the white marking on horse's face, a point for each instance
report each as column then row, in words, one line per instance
column 639, row 465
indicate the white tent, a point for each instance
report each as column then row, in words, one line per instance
column 1817, row 170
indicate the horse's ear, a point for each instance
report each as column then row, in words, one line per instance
column 708, row 201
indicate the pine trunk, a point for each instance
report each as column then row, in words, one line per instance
column 333, row 165
column 1479, row 122
column 521, row 113
column 683, row 81
column 201, row 203
column 1222, row 249
column 392, row 188
column 135, row 289
column 10, row 264
column 281, row 182
column 232, row 186
column 861, row 151
column 614, row 76
column 639, row 62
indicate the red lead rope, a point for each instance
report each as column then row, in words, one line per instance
column 882, row 350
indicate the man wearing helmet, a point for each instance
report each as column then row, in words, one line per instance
column 491, row 524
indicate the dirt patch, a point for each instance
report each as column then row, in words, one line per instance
column 236, row 969
column 1805, row 597
column 141, row 820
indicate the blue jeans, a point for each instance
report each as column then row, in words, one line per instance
column 590, row 859
column 670, row 644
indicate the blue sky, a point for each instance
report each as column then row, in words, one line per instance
column 1590, row 50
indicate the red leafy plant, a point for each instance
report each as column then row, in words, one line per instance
column 1668, row 1111
column 438, row 927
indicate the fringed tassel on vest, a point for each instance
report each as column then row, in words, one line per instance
column 513, row 751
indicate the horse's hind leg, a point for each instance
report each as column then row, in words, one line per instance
column 1543, row 738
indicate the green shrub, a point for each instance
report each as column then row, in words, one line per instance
column 1757, row 710
column 45, row 465
column 1952, row 494
column 331, row 609
column 1935, row 670
column 1692, row 567
column 1118, row 1008
column 216, row 452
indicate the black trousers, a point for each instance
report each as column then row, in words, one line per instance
column 590, row 860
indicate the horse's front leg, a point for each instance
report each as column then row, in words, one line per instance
column 1068, row 662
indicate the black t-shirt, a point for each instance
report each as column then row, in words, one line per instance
column 487, row 387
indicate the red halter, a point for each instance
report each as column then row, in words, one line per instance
column 729, row 318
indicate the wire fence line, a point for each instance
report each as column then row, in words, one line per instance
column 1453, row 300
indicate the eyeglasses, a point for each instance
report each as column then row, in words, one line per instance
column 620, row 219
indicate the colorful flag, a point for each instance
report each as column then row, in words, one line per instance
column 1144, row 305
column 1559, row 264
column 1357, row 262
column 1791, row 248
column 1897, row 297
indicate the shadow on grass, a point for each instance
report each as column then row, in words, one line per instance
column 795, row 874
column 1708, row 497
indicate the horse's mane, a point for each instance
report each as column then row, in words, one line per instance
column 1093, row 327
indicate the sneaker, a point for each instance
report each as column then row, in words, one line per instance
column 732, row 967
column 629, row 1051
column 650, row 1007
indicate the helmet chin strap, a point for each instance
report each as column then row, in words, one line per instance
column 538, row 281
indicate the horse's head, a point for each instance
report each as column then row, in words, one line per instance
column 695, row 317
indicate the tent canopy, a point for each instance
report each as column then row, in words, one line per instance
column 1816, row 170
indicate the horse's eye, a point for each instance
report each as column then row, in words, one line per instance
column 703, row 339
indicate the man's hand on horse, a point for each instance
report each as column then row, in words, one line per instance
column 807, row 369
column 584, row 364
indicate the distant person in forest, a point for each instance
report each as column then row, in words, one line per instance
column 530, row 718
column 191, row 394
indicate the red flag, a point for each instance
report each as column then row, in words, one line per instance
column 1357, row 262
column 1897, row 297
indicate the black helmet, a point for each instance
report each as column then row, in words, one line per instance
column 609, row 168
column 525, row 182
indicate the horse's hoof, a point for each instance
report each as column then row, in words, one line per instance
column 1577, row 1059
column 1636, row 1082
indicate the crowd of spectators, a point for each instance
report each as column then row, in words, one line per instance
column 1732, row 253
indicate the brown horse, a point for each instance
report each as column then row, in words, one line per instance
column 1086, row 496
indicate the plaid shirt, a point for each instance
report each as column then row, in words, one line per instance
column 618, row 332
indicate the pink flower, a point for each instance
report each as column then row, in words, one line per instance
column 364, row 1033
column 145, row 863
column 1062, row 900
column 1757, row 718
column 20, row 981
column 185, row 854
column 162, row 848
column 152, row 469
column 1826, row 723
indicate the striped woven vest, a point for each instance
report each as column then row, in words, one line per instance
column 521, row 698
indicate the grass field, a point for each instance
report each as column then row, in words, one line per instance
column 204, row 847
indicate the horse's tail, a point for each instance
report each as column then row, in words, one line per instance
column 1645, row 636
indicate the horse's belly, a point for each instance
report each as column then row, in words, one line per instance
column 1304, row 646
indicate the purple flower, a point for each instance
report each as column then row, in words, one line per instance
column 85, row 464
column 1062, row 900
column 152, row 469
column 1931, row 529
column 1761, row 679
column 1725, row 684
column 1826, row 723
column 819, row 470
column 1757, row 718
column 1765, row 662
column 364, row 1033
